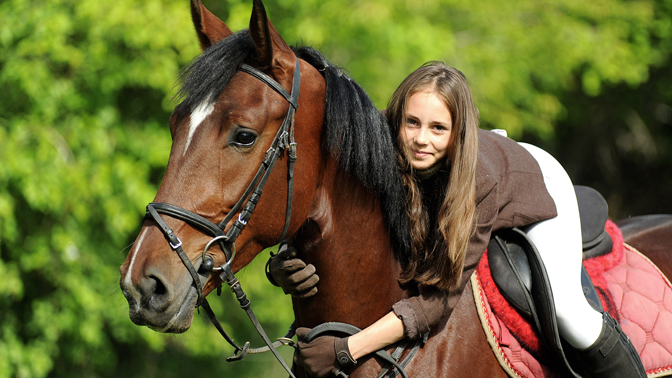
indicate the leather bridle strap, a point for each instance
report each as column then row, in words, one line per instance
column 284, row 139
column 176, row 245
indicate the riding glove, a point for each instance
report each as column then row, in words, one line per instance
column 324, row 355
column 291, row 273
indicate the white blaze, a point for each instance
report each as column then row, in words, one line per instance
column 128, row 283
column 198, row 115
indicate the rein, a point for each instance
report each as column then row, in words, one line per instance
column 284, row 139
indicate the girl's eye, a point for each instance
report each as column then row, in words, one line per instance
column 244, row 139
column 411, row 122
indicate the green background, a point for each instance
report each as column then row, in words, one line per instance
column 85, row 96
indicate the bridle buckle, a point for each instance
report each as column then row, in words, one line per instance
column 179, row 244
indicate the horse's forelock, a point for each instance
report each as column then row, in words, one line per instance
column 207, row 76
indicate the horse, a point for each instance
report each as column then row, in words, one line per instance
column 330, row 185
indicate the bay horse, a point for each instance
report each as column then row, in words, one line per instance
column 335, row 193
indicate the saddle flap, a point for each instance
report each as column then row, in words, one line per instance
column 510, row 270
column 539, row 297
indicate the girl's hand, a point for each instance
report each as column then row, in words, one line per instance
column 324, row 356
column 291, row 273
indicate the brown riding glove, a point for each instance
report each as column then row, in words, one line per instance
column 291, row 273
column 324, row 356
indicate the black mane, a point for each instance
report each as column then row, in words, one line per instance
column 354, row 131
column 357, row 133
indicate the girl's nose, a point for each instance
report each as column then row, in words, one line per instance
column 421, row 137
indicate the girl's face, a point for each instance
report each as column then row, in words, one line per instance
column 426, row 129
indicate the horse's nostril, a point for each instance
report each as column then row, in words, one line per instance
column 156, row 293
column 159, row 288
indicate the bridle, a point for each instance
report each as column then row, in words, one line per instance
column 284, row 139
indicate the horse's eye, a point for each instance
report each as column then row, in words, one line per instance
column 244, row 139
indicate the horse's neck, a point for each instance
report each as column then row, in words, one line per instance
column 347, row 240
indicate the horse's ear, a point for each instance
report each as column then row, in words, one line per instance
column 266, row 38
column 209, row 28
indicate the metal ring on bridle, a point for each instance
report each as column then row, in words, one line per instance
column 211, row 242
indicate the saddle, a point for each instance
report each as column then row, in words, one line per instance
column 519, row 273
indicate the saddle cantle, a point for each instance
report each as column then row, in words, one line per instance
column 593, row 211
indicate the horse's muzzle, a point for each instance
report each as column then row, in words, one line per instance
column 155, row 303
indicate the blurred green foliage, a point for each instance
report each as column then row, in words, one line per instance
column 85, row 96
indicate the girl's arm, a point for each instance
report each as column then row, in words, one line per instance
column 411, row 317
column 387, row 330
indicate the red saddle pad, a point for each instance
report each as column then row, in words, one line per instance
column 631, row 287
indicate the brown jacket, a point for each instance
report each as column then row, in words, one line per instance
column 510, row 192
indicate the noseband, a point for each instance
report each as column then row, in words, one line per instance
column 284, row 139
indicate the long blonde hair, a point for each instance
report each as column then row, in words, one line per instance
column 437, row 258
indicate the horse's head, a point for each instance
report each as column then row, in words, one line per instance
column 222, row 131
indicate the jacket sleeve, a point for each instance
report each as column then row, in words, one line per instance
column 419, row 314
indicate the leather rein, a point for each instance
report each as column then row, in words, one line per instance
column 284, row 140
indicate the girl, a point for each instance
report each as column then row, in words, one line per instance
column 464, row 183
